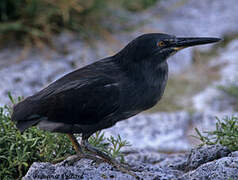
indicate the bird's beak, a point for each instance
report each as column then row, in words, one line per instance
column 183, row 42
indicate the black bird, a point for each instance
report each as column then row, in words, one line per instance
column 99, row 95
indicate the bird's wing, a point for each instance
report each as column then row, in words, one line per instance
column 84, row 101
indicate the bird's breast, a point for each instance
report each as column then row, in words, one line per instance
column 149, row 90
column 151, row 96
column 143, row 96
column 141, row 88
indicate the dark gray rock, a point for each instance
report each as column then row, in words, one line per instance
column 202, row 155
column 85, row 169
column 209, row 162
column 220, row 169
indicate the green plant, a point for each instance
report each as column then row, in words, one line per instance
column 18, row 151
column 231, row 90
column 111, row 146
column 226, row 133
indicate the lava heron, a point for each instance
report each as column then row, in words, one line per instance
column 99, row 95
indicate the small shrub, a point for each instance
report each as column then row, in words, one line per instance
column 18, row 151
column 111, row 146
column 226, row 133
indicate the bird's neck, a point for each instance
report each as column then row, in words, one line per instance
column 152, row 72
column 146, row 83
column 155, row 74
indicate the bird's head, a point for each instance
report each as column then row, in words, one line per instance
column 158, row 47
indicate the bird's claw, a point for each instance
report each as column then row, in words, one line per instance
column 126, row 169
column 71, row 160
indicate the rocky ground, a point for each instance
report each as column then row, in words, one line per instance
column 169, row 132
column 211, row 162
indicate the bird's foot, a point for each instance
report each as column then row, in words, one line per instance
column 125, row 168
column 74, row 158
column 71, row 160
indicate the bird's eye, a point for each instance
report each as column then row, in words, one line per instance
column 161, row 43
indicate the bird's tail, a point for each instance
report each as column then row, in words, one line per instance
column 24, row 115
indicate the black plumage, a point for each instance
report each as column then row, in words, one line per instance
column 98, row 95
column 105, row 92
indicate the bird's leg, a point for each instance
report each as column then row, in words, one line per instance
column 85, row 144
column 80, row 154
column 75, row 143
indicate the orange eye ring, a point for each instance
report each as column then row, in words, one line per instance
column 161, row 43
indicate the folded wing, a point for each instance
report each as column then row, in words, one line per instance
column 83, row 101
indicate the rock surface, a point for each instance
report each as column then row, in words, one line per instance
column 211, row 162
